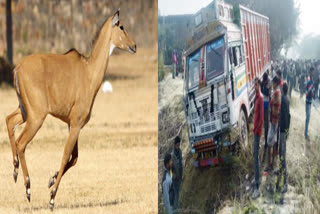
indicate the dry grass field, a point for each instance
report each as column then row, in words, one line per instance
column 116, row 170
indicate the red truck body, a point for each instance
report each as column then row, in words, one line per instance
column 256, row 38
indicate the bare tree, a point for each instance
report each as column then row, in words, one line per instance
column 283, row 17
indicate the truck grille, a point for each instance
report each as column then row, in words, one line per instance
column 208, row 128
column 202, row 120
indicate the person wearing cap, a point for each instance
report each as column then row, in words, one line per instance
column 309, row 95
column 257, row 131
column 284, row 123
column 275, row 105
column 177, row 172
column 166, row 183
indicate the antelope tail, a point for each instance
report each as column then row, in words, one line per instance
column 16, row 83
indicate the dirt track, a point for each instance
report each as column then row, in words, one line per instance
column 117, row 167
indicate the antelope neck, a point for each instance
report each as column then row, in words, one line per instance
column 99, row 58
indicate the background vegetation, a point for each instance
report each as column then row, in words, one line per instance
column 283, row 17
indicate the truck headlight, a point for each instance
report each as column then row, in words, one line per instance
column 225, row 117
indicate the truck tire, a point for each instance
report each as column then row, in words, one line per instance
column 243, row 130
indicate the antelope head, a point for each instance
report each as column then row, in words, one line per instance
column 120, row 38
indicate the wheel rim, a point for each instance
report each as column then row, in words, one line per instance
column 243, row 130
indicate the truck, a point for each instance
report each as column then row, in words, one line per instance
column 228, row 48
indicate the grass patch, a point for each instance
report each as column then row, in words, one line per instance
column 161, row 69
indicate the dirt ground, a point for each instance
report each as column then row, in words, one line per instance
column 116, row 170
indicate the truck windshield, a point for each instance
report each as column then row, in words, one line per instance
column 194, row 68
column 215, row 56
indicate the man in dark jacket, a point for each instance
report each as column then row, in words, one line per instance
column 284, row 123
column 285, row 69
column 167, row 184
column 177, row 172
column 291, row 79
column 302, row 83
column 309, row 95
column 297, row 74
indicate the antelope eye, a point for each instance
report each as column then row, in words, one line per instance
column 121, row 27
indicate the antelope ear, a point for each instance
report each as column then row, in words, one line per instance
column 115, row 19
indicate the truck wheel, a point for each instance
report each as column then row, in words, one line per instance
column 243, row 130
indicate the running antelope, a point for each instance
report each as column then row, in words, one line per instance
column 64, row 86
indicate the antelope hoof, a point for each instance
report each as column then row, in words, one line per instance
column 51, row 204
column 52, row 180
column 15, row 170
column 15, row 176
column 28, row 191
column 28, row 194
column 51, row 200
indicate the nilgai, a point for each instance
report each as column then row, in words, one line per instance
column 64, row 86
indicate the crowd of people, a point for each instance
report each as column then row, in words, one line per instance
column 272, row 113
column 296, row 73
